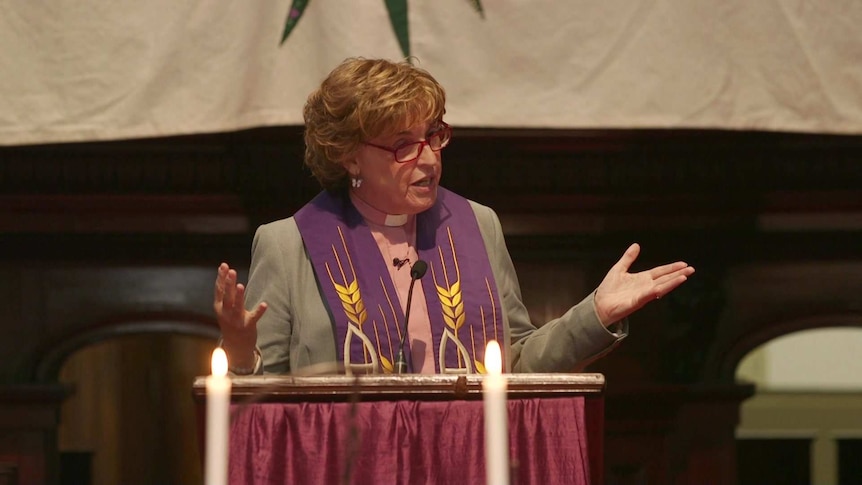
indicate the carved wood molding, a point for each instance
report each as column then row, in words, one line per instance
column 540, row 181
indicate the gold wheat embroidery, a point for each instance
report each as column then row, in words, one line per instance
column 351, row 300
column 453, row 305
column 493, row 311
column 385, row 363
column 450, row 295
column 348, row 292
column 394, row 315
column 480, row 367
column 451, row 299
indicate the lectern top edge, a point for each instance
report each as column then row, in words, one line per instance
column 419, row 386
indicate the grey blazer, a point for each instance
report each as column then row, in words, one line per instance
column 297, row 329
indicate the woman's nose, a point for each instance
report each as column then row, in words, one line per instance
column 427, row 155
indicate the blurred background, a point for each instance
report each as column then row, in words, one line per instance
column 141, row 146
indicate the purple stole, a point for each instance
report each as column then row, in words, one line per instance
column 463, row 304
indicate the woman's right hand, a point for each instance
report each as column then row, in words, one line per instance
column 238, row 326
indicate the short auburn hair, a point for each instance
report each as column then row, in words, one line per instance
column 359, row 100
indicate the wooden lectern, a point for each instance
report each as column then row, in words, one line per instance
column 409, row 429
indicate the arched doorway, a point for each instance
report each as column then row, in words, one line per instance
column 804, row 424
column 131, row 418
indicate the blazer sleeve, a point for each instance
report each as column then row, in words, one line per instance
column 268, row 281
column 565, row 344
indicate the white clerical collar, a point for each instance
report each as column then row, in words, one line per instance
column 377, row 216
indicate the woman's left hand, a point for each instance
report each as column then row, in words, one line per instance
column 622, row 293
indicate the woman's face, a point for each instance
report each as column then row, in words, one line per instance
column 393, row 187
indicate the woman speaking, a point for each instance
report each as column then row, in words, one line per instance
column 333, row 283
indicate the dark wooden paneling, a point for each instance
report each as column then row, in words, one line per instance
column 559, row 193
column 259, row 172
column 570, row 203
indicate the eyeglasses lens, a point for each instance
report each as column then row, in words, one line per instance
column 435, row 141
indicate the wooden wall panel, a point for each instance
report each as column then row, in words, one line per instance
column 116, row 234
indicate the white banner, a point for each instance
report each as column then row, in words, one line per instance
column 83, row 70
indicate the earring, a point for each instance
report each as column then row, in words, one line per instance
column 355, row 182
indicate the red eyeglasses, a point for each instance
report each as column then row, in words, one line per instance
column 436, row 139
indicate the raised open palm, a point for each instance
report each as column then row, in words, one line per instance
column 238, row 325
column 622, row 293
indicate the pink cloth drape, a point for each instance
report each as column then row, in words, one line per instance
column 411, row 442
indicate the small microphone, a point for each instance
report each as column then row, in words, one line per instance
column 416, row 271
column 398, row 263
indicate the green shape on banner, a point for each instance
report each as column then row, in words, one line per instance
column 297, row 7
column 398, row 18
column 477, row 5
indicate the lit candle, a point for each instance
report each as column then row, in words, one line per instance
column 218, row 420
column 496, row 417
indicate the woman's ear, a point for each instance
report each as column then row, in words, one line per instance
column 351, row 165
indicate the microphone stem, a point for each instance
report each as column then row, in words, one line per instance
column 401, row 363
column 401, row 360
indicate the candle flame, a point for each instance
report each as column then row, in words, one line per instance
column 493, row 358
column 219, row 362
